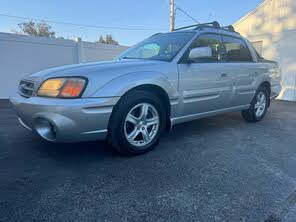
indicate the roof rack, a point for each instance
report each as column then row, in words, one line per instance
column 214, row 25
column 229, row 28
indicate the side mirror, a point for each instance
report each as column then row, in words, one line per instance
column 200, row 52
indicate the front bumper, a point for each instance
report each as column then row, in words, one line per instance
column 72, row 120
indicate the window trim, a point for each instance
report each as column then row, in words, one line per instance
column 183, row 61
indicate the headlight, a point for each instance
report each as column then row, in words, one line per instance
column 72, row 87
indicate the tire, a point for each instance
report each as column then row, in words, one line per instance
column 132, row 115
column 253, row 114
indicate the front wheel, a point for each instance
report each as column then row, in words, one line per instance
column 137, row 123
column 258, row 106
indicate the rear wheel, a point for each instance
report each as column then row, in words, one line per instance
column 137, row 123
column 258, row 106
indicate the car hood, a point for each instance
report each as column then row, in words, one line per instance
column 98, row 73
column 84, row 69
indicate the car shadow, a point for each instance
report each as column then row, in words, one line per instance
column 98, row 150
column 75, row 152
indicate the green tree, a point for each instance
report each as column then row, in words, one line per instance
column 110, row 40
column 101, row 39
column 107, row 40
column 36, row 29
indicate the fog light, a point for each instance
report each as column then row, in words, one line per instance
column 45, row 129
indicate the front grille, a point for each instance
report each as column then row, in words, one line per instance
column 26, row 88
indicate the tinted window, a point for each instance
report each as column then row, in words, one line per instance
column 214, row 42
column 162, row 47
column 236, row 50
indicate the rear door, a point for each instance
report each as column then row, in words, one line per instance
column 241, row 68
column 204, row 84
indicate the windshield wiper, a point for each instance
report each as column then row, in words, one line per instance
column 125, row 57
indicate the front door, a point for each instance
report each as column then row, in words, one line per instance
column 205, row 84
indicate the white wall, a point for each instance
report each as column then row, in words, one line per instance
column 22, row 55
column 274, row 23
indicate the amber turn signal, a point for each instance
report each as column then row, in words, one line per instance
column 73, row 88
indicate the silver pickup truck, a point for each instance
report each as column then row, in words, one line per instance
column 190, row 73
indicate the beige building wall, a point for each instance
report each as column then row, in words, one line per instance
column 272, row 29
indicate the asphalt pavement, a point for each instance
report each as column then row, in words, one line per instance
column 214, row 169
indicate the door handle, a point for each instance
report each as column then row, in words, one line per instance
column 224, row 75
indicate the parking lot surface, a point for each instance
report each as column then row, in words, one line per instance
column 214, row 169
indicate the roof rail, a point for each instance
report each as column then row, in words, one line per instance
column 201, row 25
column 214, row 25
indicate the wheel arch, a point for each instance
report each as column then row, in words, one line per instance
column 267, row 86
column 158, row 91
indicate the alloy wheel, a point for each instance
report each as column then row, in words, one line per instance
column 260, row 104
column 141, row 124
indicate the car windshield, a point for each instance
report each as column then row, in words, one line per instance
column 163, row 47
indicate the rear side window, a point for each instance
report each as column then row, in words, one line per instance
column 236, row 50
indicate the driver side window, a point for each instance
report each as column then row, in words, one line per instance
column 214, row 42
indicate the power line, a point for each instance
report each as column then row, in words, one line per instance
column 82, row 25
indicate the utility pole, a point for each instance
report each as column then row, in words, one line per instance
column 172, row 15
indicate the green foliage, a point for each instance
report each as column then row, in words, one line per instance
column 101, row 40
column 107, row 40
column 36, row 29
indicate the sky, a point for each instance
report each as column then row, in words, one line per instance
column 129, row 21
